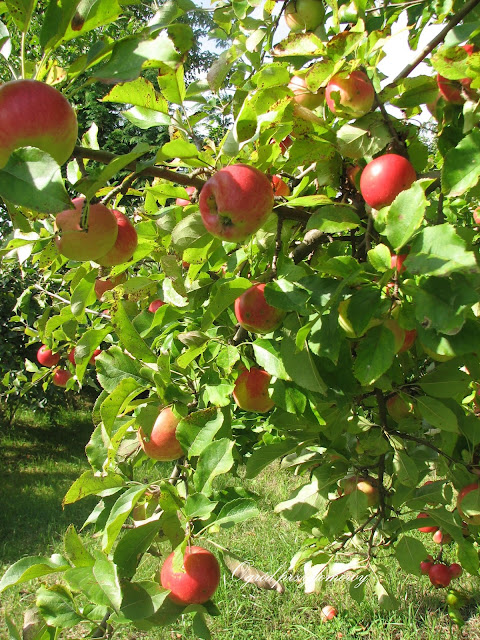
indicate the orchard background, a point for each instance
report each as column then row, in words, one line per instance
column 325, row 323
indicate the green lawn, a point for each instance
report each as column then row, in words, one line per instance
column 41, row 456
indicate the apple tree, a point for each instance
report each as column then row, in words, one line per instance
column 312, row 299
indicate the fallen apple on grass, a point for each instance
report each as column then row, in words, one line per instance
column 328, row 613
column 196, row 582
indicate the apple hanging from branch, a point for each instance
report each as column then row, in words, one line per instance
column 253, row 312
column 162, row 443
column 251, row 391
column 198, row 580
column 384, row 178
column 46, row 357
column 125, row 244
column 304, row 15
column 350, row 96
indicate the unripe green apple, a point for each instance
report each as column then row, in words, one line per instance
column 304, row 15
column 34, row 114
column 302, row 94
column 345, row 323
column 398, row 409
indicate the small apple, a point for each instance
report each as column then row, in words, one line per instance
column 254, row 313
column 125, row 244
column 454, row 598
column 34, row 114
column 398, row 410
column 198, row 580
column 474, row 519
column 46, row 357
column 251, row 391
column 304, row 15
column 476, row 216
column 76, row 243
column 430, row 529
column 350, row 96
column 183, row 202
column 439, row 575
column 384, row 178
column 441, row 538
column 396, row 262
column 155, row 304
column 349, row 484
column 235, row 202
column 103, row 285
column 328, row 613
column 410, row 337
column 162, row 444
column 456, row 570
column 302, row 94
column 61, row 377
column 280, row 188
column 453, row 90
column 425, row 565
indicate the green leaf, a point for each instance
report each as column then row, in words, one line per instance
column 439, row 251
column 119, row 513
column 105, row 572
column 437, row 414
column 32, row 567
column 286, row 295
column 468, row 556
column 137, row 602
column 366, row 137
column 83, row 294
column 199, row 626
column 357, row 587
column 132, row 545
column 85, row 347
column 223, row 297
column 410, row 553
column 57, row 608
column 264, row 455
column 129, row 336
column 198, row 429
column 461, row 168
column 375, row 354
column 334, row 218
column 380, row 258
column 215, row 460
column 300, row 366
column 88, row 484
column 198, row 506
column 33, row 179
column 76, row 550
column 268, row 357
column 21, row 11
column 118, row 400
column 13, row 632
column 303, row 503
column 236, row 511
column 138, row 93
column 405, row 216
column 405, row 469
column 82, row 579
column 385, row 599
column 172, row 84
column 188, row 231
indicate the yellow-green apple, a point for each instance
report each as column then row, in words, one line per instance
column 102, row 285
column 251, row 391
column 436, row 355
column 61, row 377
column 453, row 90
column 475, row 487
column 235, row 202
column 183, row 202
column 302, row 94
column 280, row 188
column 350, row 96
column 95, row 354
column 427, row 529
column 398, row 409
column 85, row 244
column 253, row 312
column 328, row 613
column 384, row 178
column 398, row 332
column 441, row 538
column 352, row 483
column 46, row 357
column 304, row 15
column 34, row 114
column 346, row 324
column 440, row 575
column 125, row 244
column 348, row 13
column 410, row 337
column 162, row 444
column 198, row 579
column 155, row 304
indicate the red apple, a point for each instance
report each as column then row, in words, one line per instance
column 302, row 94
column 384, row 178
column 155, row 304
column 125, row 244
column 76, row 243
column 439, row 575
column 350, row 96
column 476, row 216
column 251, row 391
column 441, row 538
column 425, row 565
column 410, row 337
column 285, row 143
column 396, row 262
column 197, row 582
column 304, row 15
column 280, row 188
column 46, row 357
column 61, row 377
column 183, row 202
column 254, row 313
column 235, row 202
column 349, row 484
column 162, row 444
column 103, row 285
column 34, row 114
column 430, row 529
column 398, row 409
column 453, row 90
column 474, row 519
column 328, row 613
column 456, row 570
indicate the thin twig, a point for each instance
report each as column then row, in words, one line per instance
column 57, row 297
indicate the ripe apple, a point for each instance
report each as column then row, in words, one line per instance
column 441, row 538
column 302, row 94
column 235, row 202
column 34, row 114
column 357, row 483
column 328, row 613
column 430, row 529
column 61, row 377
column 46, row 357
column 452, row 90
column 162, row 444
column 254, row 313
column 398, row 409
column 410, row 337
column 183, row 202
column 155, row 304
column 425, row 565
column 280, row 188
column 103, row 285
column 125, row 244
column 304, row 15
column 384, row 178
column 197, row 582
column 285, row 143
column 439, row 575
column 476, row 216
column 350, row 96
column 71, row 356
column 396, row 262
column 475, row 519
column 79, row 244
column 398, row 332
column 251, row 391
column 456, row 570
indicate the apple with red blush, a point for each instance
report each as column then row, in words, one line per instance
column 350, row 96
column 162, row 444
column 304, row 15
column 384, row 178
column 155, row 304
column 251, row 390
column 124, row 245
column 183, row 202
column 46, row 357
column 61, row 377
column 253, row 312
column 302, row 94
column 196, row 581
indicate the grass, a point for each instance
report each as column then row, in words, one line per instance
column 40, row 458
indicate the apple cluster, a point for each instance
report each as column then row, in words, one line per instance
column 440, row 574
